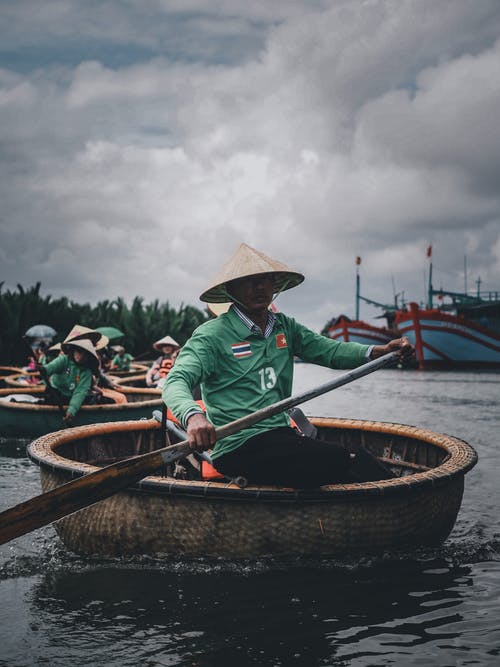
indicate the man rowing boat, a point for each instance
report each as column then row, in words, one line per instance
column 243, row 361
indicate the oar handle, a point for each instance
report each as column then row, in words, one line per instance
column 239, row 480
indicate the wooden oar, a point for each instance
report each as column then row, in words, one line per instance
column 89, row 489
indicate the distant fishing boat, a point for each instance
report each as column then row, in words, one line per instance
column 344, row 329
column 445, row 340
column 463, row 333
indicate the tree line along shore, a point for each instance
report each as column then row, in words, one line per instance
column 142, row 323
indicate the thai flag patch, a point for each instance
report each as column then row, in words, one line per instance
column 241, row 350
column 281, row 341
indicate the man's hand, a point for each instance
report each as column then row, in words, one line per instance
column 401, row 345
column 68, row 418
column 201, row 433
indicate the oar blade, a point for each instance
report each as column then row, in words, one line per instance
column 79, row 493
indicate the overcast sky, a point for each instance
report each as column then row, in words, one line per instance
column 142, row 140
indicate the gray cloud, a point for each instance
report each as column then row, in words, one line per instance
column 338, row 129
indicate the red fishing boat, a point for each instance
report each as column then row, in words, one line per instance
column 344, row 329
column 447, row 340
column 463, row 332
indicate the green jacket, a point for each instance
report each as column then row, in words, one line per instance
column 241, row 372
column 72, row 380
column 122, row 362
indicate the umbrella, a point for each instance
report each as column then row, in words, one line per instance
column 40, row 331
column 111, row 332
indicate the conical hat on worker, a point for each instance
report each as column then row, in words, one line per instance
column 83, row 344
column 245, row 262
column 166, row 340
column 79, row 331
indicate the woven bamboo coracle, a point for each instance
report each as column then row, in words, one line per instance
column 162, row 515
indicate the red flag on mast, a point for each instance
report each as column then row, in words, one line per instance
column 429, row 251
column 358, row 261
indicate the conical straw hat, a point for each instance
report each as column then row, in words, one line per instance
column 166, row 340
column 102, row 342
column 247, row 261
column 82, row 344
column 79, row 331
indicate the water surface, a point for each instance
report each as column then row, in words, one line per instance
column 429, row 607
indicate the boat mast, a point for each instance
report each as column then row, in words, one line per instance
column 430, row 291
column 358, row 262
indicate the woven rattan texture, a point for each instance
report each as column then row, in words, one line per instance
column 358, row 518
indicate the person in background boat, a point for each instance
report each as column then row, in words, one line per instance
column 161, row 367
column 106, row 356
column 122, row 360
column 244, row 362
column 103, row 389
column 39, row 356
column 41, row 352
column 70, row 375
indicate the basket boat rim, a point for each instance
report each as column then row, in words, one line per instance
column 461, row 457
column 148, row 402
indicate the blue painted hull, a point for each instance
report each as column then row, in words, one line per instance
column 443, row 340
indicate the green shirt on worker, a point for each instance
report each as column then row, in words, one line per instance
column 71, row 379
column 241, row 371
column 121, row 362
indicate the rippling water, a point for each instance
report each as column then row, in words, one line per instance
column 438, row 607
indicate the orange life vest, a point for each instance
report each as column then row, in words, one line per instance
column 163, row 368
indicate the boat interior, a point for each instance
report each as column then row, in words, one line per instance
column 404, row 454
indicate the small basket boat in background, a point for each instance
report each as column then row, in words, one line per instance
column 23, row 379
column 21, row 415
column 5, row 371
